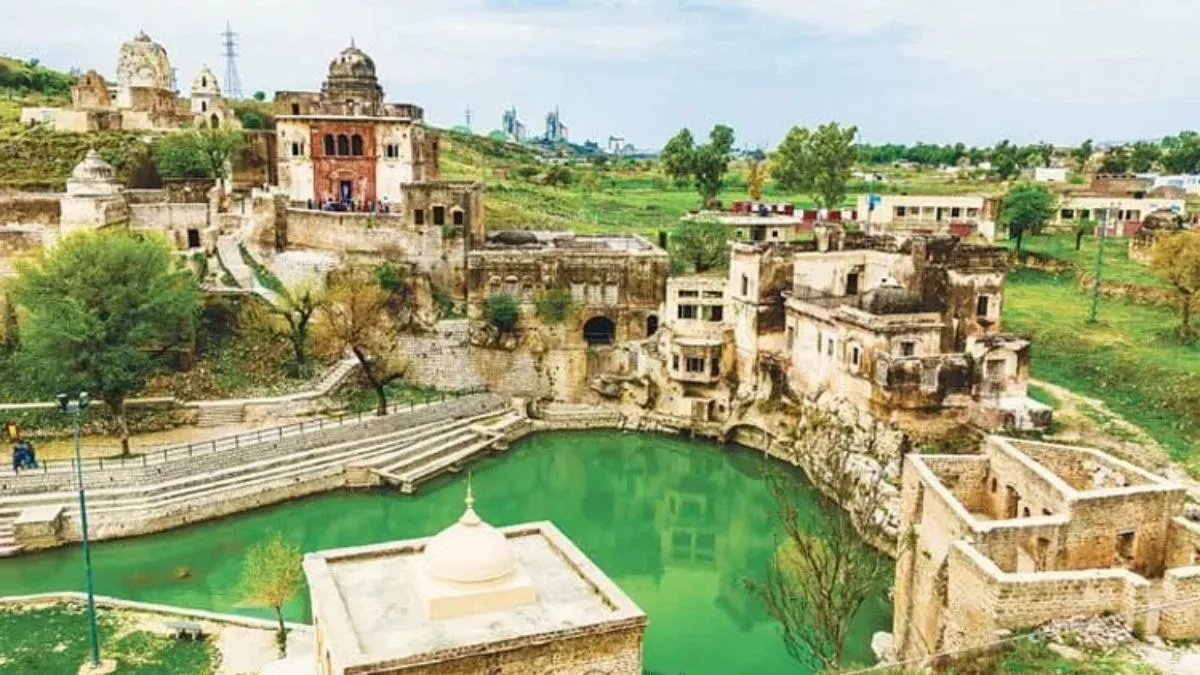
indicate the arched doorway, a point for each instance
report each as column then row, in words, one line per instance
column 599, row 330
column 216, row 121
column 651, row 325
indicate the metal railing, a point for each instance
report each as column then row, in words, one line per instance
column 248, row 438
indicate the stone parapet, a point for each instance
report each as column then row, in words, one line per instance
column 1179, row 618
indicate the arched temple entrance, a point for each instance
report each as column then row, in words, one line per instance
column 599, row 330
column 651, row 325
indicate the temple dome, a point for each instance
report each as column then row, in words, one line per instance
column 92, row 176
column 142, row 62
column 891, row 298
column 206, row 83
column 352, row 62
column 470, row 551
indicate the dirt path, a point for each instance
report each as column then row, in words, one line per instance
column 1082, row 420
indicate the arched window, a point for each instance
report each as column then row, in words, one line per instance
column 203, row 106
column 599, row 330
column 343, row 145
column 204, row 82
column 295, row 149
column 356, row 148
column 216, row 121
column 329, row 144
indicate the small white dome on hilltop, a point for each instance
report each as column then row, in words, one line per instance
column 470, row 551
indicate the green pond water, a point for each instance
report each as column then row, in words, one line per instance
column 678, row 524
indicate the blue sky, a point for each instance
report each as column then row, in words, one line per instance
column 902, row 70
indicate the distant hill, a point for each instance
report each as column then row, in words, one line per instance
column 29, row 77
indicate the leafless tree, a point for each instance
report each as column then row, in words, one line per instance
column 824, row 568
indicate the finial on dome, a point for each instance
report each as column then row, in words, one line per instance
column 470, row 498
column 469, row 517
column 352, row 42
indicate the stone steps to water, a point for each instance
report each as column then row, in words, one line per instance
column 311, row 464
column 8, row 542
column 221, row 415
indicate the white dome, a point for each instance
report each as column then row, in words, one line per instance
column 470, row 551
column 206, row 83
column 93, row 168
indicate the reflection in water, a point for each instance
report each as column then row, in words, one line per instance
column 678, row 524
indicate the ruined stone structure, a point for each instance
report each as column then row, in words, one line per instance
column 472, row 599
column 905, row 328
column 1028, row 532
column 344, row 144
column 143, row 97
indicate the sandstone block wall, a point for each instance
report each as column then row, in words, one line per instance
column 1180, row 617
column 614, row 653
column 1183, row 543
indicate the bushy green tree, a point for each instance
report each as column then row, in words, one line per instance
column 817, row 162
column 103, row 308
column 700, row 245
column 503, row 312
column 1081, row 155
column 705, row 164
column 676, row 157
column 1176, row 258
column 1115, row 160
column 252, row 120
column 1143, row 155
column 1025, row 209
column 198, row 153
column 1006, row 160
column 260, row 96
column 1181, row 154
column 558, row 176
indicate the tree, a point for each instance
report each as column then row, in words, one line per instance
column 1176, row 258
column 1025, row 209
column 1081, row 155
column 1006, row 160
column 1143, row 155
column 271, row 576
column 198, row 153
column 711, row 161
column 824, row 570
column 1115, row 160
column 817, row 162
column 503, row 312
column 296, row 309
column 1181, row 154
column 558, row 175
column 756, row 177
column 590, row 182
column 103, row 309
column 1081, row 230
column 252, row 120
column 355, row 318
column 260, row 96
column 676, row 157
column 699, row 244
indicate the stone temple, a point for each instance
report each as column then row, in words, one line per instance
column 142, row 98
column 472, row 599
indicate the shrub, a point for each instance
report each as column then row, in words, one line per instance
column 555, row 305
column 502, row 312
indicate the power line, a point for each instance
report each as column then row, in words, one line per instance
column 233, row 83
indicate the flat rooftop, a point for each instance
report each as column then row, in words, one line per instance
column 373, row 613
column 536, row 240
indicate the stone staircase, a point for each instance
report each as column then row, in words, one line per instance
column 279, row 471
column 8, row 542
column 580, row 416
column 447, row 451
column 221, row 414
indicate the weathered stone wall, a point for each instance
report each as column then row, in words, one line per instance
column 440, row 357
column 367, row 233
column 613, row 653
column 1180, row 617
column 1183, row 543
column 30, row 209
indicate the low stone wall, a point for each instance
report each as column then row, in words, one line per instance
column 30, row 209
column 365, row 233
column 164, row 216
column 170, row 611
column 1180, row 614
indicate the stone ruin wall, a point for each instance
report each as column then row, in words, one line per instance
column 612, row 653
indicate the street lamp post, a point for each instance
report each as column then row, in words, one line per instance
column 76, row 410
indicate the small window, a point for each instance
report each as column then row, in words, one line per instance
column 689, row 294
column 955, row 212
column 900, row 211
column 694, row 365
column 329, row 148
column 356, row 145
column 1025, row 512
column 458, row 217
column 1124, row 548
column 714, row 294
column 829, row 347
column 993, row 486
column 715, row 369
column 295, row 108
column 908, row 348
column 982, row 305
column 855, row 357
column 675, row 362
column 716, row 313
column 852, row 283
column 295, row 149
column 419, row 216
column 439, row 215
column 791, row 337
column 745, row 285
column 972, row 213
column 1068, row 214
column 1047, row 512
column 687, row 311
column 203, row 106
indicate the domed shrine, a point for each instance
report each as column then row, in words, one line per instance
column 472, row 598
column 143, row 97
column 345, row 146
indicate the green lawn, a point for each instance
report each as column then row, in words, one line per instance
column 1130, row 359
column 1118, row 268
column 54, row 640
